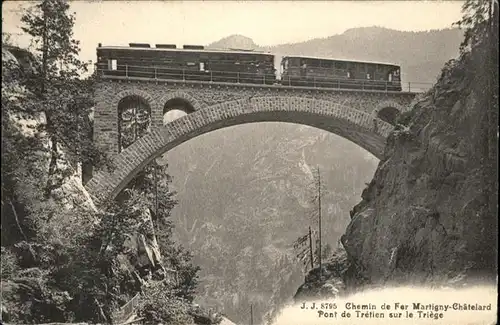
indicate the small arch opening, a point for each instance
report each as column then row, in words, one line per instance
column 176, row 108
column 172, row 115
column 388, row 114
column 134, row 120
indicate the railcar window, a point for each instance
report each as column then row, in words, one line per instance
column 327, row 64
column 293, row 62
column 341, row 65
column 112, row 64
column 202, row 66
column 315, row 64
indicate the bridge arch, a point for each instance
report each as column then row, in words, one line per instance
column 175, row 108
column 180, row 95
column 389, row 114
column 134, row 92
column 354, row 125
column 134, row 119
column 388, row 111
column 174, row 103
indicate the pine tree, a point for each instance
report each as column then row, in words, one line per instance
column 163, row 301
column 152, row 184
column 476, row 21
column 63, row 97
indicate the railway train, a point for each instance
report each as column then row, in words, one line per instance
column 194, row 62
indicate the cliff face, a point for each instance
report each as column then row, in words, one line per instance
column 426, row 216
column 330, row 283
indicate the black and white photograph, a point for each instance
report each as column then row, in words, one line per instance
column 249, row 162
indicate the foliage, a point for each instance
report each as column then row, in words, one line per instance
column 66, row 264
column 153, row 186
column 75, row 272
column 8, row 264
column 405, row 118
column 53, row 247
column 160, row 305
column 63, row 97
column 181, row 260
column 22, row 157
column 154, row 190
column 475, row 22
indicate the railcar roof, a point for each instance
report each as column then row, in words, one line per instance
column 341, row 60
column 183, row 50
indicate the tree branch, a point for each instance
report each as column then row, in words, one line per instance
column 14, row 211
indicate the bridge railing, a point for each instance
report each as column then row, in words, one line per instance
column 127, row 310
column 130, row 308
column 417, row 87
column 162, row 73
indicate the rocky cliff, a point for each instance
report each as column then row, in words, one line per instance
column 242, row 191
column 428, row 216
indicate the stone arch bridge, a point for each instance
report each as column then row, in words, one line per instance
column 363, row 117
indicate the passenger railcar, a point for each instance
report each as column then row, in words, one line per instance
column 332, row 73
column 189, row 63
column 193, row 62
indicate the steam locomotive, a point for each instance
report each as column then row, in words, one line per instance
column 193, row 62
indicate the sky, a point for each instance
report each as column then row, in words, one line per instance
column 266, row 22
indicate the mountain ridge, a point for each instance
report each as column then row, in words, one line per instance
column 349, row 31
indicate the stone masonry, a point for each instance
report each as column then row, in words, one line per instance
column 351, row 114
